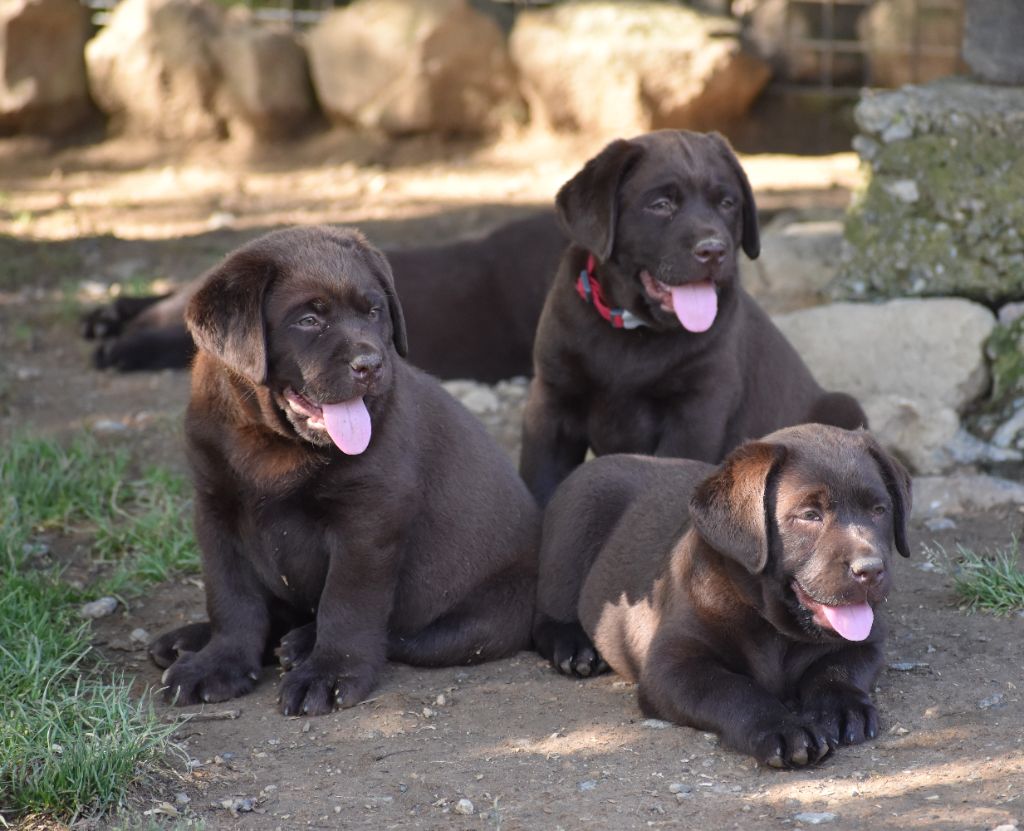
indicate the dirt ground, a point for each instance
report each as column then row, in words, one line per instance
column 528, row 748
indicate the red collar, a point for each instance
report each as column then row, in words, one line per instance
column 589, row 290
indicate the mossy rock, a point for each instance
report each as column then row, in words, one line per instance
column 941, row 215
column 1005, row 351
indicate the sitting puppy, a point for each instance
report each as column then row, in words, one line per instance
column 346, row 506
column 752, row 614
column 647, row 344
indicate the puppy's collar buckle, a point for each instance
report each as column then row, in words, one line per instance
column 589, row 290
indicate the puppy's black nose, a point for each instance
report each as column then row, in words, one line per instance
column 709, row 249
column 868, row 569
column 366, row 366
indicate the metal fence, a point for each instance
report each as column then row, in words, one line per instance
column 833, row 46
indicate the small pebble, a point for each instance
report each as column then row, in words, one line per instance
column 99, row 608
column 139, row 635
column 463, row 806
column 939, row 523
column 815, row 818
column 679, row 787
column 908, row 666
column 107, row 426
column 992, row 701
column 587, row 785
column 1007, row 826
column 440, row 701
column 655, row 724
column 182, row 798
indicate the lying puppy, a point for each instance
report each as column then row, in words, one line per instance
column 647, row 344
column 346, row 506
column 752, row 614
column 471, row 307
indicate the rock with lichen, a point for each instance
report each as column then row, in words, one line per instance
column 942, row 212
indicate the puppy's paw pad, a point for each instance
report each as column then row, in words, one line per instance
column 845, row 714
column 569, row 648
column 305, row 691
column 197, row 678
column 165, row 649
column 792, row 744
column 296, row 646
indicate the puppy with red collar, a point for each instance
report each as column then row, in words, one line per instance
column 647, row 343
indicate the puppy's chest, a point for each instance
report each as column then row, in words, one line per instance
column 291, row 548
column 778, row 664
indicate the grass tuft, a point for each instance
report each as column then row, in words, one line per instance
column 73, row 739
column 993, row 581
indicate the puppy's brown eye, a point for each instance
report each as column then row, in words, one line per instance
column 662, row 206
column 810, row 516
column 374, row 313
column 879, row 510
column 308, row 321
column 728, row 203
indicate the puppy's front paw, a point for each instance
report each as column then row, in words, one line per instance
column 296, row 646
column 314, row 689
column 845, row 713
column 208, row 675
column 568, row 647
column 792, row 743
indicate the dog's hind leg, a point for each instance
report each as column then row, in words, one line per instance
column 838, row 410
column 491, row 623
column 167, row 648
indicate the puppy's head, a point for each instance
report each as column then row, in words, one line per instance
column 813, row 512
column 666, row 213
column 311, row 314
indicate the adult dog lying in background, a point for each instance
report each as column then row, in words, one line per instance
column 471, row 307
column 348, row 509
column 647, row 343
column 752, row 613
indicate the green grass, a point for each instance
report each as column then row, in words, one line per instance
column 992, row 582
column 73, row 739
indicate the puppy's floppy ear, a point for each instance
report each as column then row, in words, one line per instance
column 729, row 509
column 587, row 205
column 898, row 483
column 751, row 238
column 225, row 316
column 381, row 269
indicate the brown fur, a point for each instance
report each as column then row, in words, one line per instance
column 653, row 204
column 420, row 549
column 699, row 604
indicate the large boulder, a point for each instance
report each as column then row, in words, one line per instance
column 153, row 69
column 413, row 66
column 613, row 68
column 798, row 263
column 267, row 93
column 915, row 366
column 42, row 74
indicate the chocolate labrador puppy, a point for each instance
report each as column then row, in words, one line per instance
column 741, row 598
column 348, row 509
column 471, row 307
column 647, row 344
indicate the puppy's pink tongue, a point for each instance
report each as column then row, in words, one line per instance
column 852, row 622
column 348, row 425
column 696, row 305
